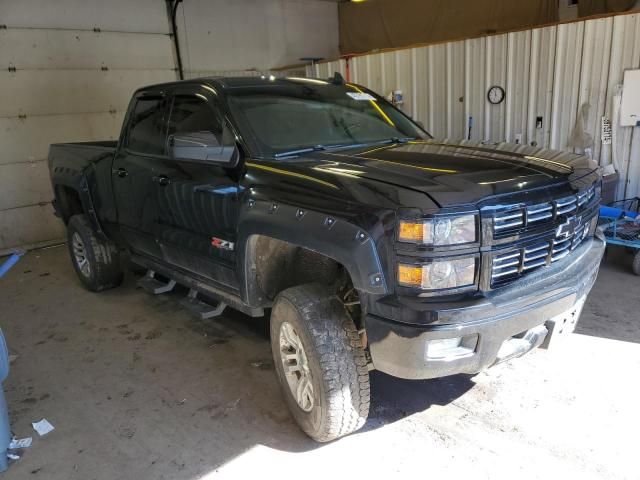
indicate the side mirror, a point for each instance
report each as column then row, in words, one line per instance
column 201, row 147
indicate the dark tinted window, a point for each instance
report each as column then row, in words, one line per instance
column 147, row 127
column 191, row 114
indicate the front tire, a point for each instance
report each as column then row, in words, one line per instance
column 320, row 362
column 95, row 260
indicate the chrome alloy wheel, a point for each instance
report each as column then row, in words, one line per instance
column 80, row 254
column 296, row 367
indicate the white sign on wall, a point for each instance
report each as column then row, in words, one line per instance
column 630, row 107
column 605, row 135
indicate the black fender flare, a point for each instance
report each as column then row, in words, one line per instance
column 77, row 181
column 328, row 235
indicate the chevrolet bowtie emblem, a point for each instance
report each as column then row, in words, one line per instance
column 568, row 228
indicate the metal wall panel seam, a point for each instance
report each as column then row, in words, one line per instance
column 93, row 69
column 448, row 85
column 20, row 162
column 533, row 85
column 28, row 205
column 27, row 115
column 95, row 29
column 555, row 112
column 548, row 94
column 431, row 88
column 467, row 89
column 383, row 76
column 488, row 44
column 510, row 87
column 414, row 83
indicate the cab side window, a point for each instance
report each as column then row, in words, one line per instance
column 147, row 127
column 193, row 114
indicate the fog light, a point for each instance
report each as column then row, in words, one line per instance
column 451, row 348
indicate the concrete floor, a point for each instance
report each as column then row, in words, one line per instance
column 136, row 388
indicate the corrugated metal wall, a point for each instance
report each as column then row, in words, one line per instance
column 67, row 71
column 548, row 74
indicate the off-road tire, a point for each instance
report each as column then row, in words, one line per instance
column 102, row 256
column 636, row 263
column 335, row 357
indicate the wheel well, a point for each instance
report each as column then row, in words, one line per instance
column 69, row 203
column 279, row 265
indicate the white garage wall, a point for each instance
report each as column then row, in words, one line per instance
column 546, row 72
column 233, row 37
column 76, row 63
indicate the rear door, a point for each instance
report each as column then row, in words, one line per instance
column 142, row 147
column 197, row 202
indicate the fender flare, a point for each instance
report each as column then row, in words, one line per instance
column 77, row 181
column 342, row 241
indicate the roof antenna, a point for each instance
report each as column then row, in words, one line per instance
column 337, row 79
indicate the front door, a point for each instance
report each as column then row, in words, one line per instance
column 197, row 202
column 143, row 145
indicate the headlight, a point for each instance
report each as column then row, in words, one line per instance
column 439, row 230
column 439, row 274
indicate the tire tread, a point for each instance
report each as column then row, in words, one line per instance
column 340, row 356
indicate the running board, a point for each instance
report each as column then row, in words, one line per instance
column 152, row 285
column 201, row 285
column 201, row 309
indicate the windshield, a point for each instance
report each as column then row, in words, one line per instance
column 294, row 117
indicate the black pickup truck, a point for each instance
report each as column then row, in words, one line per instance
column 372, row 245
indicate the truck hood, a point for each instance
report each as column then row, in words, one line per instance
column 458, row 173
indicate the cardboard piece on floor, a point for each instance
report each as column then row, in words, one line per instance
column 42, row 427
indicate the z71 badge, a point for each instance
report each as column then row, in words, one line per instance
column 222, row 244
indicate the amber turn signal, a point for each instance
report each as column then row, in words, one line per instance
column 410, row 275
column 411, row 232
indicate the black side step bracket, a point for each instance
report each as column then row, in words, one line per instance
column 152, row 285
column 201, row 309
column 200, row 285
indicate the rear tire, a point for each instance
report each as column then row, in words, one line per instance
column 315, row 340
column 636, row 263
column 95, row 260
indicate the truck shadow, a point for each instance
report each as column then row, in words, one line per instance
column 393, row 399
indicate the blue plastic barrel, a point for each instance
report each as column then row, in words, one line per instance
column 5, row 430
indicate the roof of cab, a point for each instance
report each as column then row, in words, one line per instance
column 226, row 83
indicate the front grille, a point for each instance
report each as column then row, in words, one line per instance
column 515, row 262
column 515, row 219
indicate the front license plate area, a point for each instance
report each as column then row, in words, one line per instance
column 562, row 325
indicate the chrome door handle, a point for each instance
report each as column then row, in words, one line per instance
column 161, row 180
column 121, row 172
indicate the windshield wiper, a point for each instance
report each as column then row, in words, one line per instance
column 300, row 151
column 319, row 148
column 316, row 148
column 393, row 141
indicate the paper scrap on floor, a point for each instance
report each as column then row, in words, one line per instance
column 20, row 443
column 42, row 427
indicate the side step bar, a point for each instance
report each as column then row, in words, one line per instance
column 152, row 285
column 200, row 286
column 201, row 309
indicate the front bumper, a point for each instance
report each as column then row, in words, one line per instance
column 521, row 310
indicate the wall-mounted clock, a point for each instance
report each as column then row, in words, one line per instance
column 495, row 95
